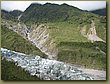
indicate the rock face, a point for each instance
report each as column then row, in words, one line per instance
column 44, row 68
column 41, row 38
column 19, row 28
column 91, row 34
column 38, row 35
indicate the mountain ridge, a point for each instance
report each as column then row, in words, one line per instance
column 102, row 11
column 57, row 32
column 64, row 30
column 48, row 12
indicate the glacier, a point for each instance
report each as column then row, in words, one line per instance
column 45, row 69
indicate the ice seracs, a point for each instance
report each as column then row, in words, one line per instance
column 44, row 68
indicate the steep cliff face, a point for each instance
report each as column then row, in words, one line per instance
column 41, row 38
column 38, row 35
column 91, row 33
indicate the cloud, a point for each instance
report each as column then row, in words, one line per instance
column 90, row 5
column 12, row 5
column 22, row 5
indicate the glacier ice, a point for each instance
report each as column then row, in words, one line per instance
column 44, row 68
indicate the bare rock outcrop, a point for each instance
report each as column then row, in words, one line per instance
column 17, row 27
column 37, row 34
column 41, row 38
column 91, row 34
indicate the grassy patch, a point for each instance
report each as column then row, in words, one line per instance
column 65, row 32
column 13, row 41
column 76, row 49
column 83, row 53
column 9, row 71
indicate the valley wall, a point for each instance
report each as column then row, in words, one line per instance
column 38, row 35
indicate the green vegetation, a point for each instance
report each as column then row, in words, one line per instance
column 65, row 32
column 15, row 13
column 13, row 41
column 68, row 31
column 83, row 53
column 9, row 71
column 47, row 13
column 101, row 11
column 74, row 48
column 63, row 17
column 6, row 15
column 12, row 15
column 64, row 24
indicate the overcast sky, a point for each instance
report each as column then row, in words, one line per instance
column 22, row 5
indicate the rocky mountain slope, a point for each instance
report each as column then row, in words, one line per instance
column 91, row 34
column 14, row 41
column 51, row 13
column 39, row 36
column 42, row 39
column 61, row 32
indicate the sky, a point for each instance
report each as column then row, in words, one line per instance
column 22, row 5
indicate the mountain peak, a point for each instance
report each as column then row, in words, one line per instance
column 48, row 12
column 35, row 4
